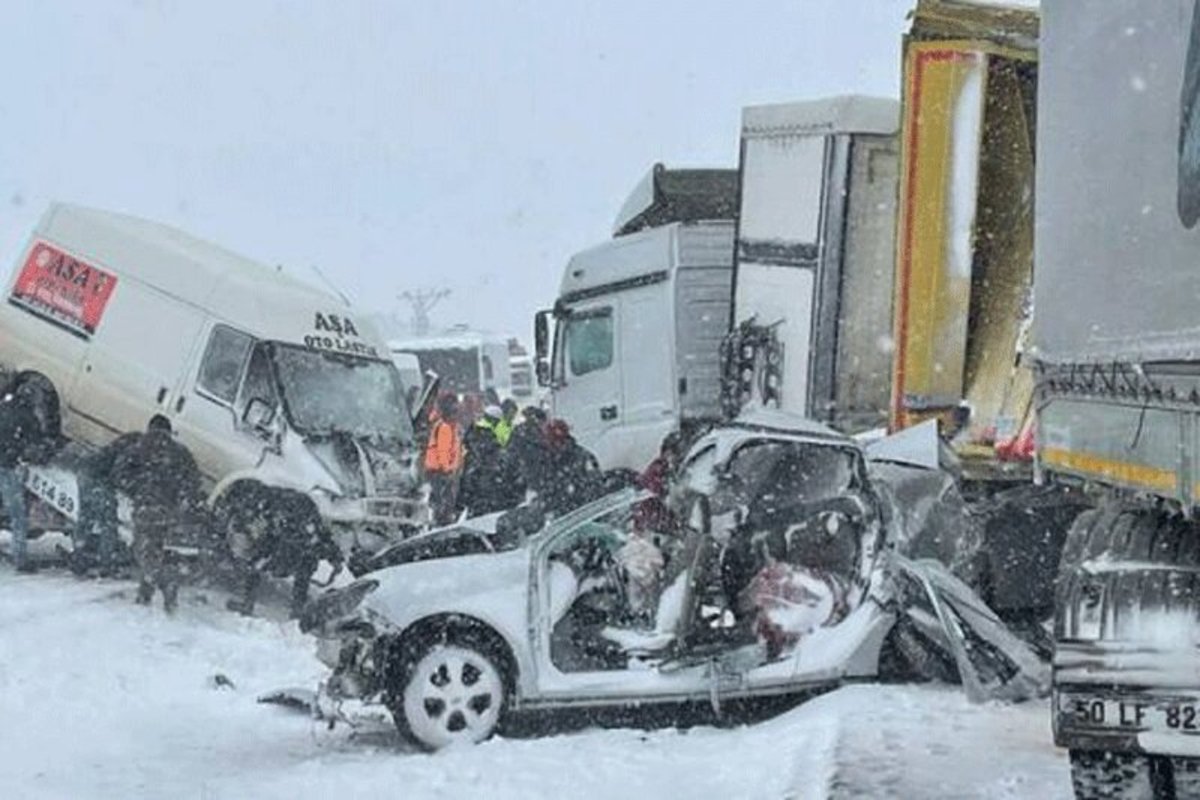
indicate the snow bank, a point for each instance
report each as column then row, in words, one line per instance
column 103, row 699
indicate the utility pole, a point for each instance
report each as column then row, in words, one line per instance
column 422, row 302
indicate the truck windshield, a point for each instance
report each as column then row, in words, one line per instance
column 330, row 392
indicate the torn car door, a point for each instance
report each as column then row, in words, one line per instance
column 992, row 663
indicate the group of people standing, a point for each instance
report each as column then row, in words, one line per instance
column 474, row 466
column 493, row 463
column 152, row 469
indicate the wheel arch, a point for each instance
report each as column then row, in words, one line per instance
column 241, row 481
column 400, row 650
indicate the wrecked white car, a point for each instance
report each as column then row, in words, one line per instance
column 731, row 595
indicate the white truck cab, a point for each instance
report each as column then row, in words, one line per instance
column 639, row 319
column 721, row 290
column 271, row 383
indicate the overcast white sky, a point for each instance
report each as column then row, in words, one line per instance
column 472, row 145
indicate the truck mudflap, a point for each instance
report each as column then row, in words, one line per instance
column 992, row 662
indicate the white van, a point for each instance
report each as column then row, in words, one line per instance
column 270, row 383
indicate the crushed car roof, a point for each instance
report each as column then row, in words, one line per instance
column 776, row 421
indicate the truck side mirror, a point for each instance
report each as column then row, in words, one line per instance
column 541, row 335
column 543, row 372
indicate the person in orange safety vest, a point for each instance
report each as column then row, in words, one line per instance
column 443, row 459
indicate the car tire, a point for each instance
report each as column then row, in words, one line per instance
column 1100, row 775
column 450, row 693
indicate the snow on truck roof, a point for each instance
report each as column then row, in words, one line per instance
column 633, row 256
column 448, row 341
column 841, row 114
column 266, row 302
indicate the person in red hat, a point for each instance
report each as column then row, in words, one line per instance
column 570, row 475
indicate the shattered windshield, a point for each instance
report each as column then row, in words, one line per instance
column 766, row 473
column 329, row 392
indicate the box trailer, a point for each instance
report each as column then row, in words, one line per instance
column 813, row 268
column 964, row 247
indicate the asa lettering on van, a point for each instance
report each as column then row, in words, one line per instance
column 62, row 289
column 334, row 333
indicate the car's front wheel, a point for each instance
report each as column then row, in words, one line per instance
column 452, row 693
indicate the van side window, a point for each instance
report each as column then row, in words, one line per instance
column 221, row 368
column 590, row 341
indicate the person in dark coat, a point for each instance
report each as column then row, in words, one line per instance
column 19, row 430
column 162, row 481
column 527, row 448
column 484, row 488
column 570, row 475
column 95, row 536
column 291, row 542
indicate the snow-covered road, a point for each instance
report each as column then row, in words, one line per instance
column 100, row 698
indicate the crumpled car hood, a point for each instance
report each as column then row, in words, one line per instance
column 408, row 591
column 469, row 538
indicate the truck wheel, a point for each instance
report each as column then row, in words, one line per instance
column 1099, row 775
column 452, row 692
column 1137, row 538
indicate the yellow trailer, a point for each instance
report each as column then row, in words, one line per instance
column 964, row 254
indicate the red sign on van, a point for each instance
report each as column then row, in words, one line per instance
column 64, row 290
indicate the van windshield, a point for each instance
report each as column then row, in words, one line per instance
column 331, row 392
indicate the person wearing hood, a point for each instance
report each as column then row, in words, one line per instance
column 20, row 430
column 506, row 425
column 160, row 477
column 484, row 489
column 570, row 475
column 653, row 513
column 527, row 448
